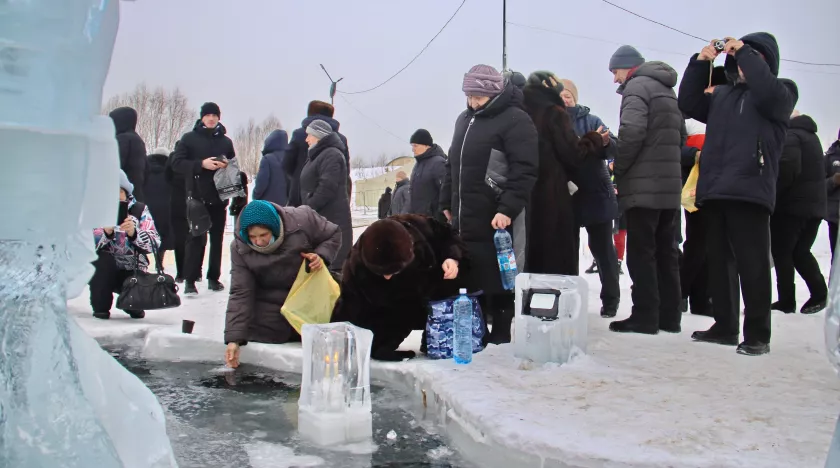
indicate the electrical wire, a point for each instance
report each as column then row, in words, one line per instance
column 412, row 60
column 371, row 120
column 706, row 40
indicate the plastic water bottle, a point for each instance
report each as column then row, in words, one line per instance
column 462, row 322
column 506, row 257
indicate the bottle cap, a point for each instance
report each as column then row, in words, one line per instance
column 462, row 291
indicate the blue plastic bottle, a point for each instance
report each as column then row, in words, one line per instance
column 506, row 257
column 462, row 322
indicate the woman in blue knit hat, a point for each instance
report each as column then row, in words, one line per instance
column 271, row 242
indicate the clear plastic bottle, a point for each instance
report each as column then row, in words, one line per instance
column 462, row 322
column 506, row 258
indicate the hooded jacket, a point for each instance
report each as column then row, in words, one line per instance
column 384, row 204
column 194, row 147
column 401, row 200
column 158, row 198
column 298, row 152
column 832, row 166
column 746, row 123
column 647, row 164
column 426, row 180
column 595, row 200
column 800, row 190
column 272, row 180
column 132, row 148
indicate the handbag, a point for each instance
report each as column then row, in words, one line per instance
column 197, row 215
column 148, row 291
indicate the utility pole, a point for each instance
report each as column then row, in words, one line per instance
column 504, row 36
column 333, row 85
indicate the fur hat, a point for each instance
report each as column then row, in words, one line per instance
column 547, row 79
column 210, row 108
column 569, row 86
column 320, row 108
column 386, row 247
column 422, row 137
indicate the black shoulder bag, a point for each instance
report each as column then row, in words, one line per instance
column 197, row 215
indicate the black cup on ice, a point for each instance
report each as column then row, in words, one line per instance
column 187, row 326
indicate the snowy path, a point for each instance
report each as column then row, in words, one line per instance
column 634, row 401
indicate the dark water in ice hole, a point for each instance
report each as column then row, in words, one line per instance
column 253, row 423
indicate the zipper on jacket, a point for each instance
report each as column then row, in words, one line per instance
column 461, row 171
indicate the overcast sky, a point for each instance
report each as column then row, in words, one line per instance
column 260, row 57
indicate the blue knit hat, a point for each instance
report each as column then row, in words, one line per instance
column 259, row 213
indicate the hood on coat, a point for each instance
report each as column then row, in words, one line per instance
column 804, row 122
column 333, row 123
column 834, row 148
column 125, row 119
column 157, row 162
column 199, row 126
column 578, row 112
column 659, row 71
column 433, row 151
column 276, row 141
column 763, row 43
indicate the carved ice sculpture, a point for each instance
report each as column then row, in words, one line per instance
column 832, row 345
column 63, row 401
column 551, row 319
column 334, row 406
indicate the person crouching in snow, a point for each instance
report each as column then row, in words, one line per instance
column 121, row 249
column 271, row 242
column 398, row 265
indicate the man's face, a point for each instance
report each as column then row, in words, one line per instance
column 568, row 98
column 210, row 120
column 418, row 149
column 620, row 76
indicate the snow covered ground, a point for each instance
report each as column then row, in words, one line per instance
column 633, row 401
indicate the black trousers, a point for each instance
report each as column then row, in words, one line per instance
column 738, row 249
column 791, row 239
column 603, row 250
column 694, row 270
column 107, row 280
column 180, row 230
column 196, row 246
column 832, row 238
column 652, row 261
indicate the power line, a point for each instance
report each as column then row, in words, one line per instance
column 371, row 120
column 706, row 40
column 412, row 60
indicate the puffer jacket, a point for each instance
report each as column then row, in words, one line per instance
column 832, row 166
column 746, row 123
column 260, row 281
column 647, row 164
column 800, row 190
column 426, row 180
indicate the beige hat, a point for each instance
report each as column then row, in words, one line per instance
column 570, row 86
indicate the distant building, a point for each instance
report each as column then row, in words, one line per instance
column 367, row 190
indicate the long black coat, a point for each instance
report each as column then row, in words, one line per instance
column 132, row 148
column 298, row 152
column 426, row 180
column 800, row 190
column 746, row 123
column 158, row 199
column 552, row 230
column 504, row 126
column 194, row 147
column 832, row 166
column 323, row 187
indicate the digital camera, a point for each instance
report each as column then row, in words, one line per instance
column 720, row 46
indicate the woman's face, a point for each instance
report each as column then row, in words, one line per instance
column 123, row 195
column 568, row 99
column 260, row 236
column 476, row 102
column 311, row 140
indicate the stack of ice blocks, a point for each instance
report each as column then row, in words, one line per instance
column 545, row 337
column 334, row 406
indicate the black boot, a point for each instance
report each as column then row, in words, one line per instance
column 136, row 314
column 102, row 315
column 784, row 307
column 215, row 285
column 812, row 306
column 592, row 269
column 190, row 289
column 631, row 326
column 753, row 349
column 500, row 333
column 714, row 336
column 609, row 312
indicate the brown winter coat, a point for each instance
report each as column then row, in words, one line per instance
column 260, row 282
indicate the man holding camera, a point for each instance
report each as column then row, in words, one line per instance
column 747, row 120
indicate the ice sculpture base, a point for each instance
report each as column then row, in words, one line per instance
column 331, row 429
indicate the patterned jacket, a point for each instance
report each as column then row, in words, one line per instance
column 124, row 249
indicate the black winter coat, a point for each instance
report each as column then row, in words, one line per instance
column 132, row 149
column 298, row 152
column 647, row 166
column 595, row 200
column 426, row 180
column 552, row 230
column 800, row 190
column 158, row 194
column 746, row 123
column 502, row 125
column 384, row 204
column 194, row 147
column 832, row 166
column 401, row 199
column 323, row 187
column 272, row 181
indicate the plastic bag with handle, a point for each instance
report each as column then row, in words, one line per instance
column 689, row 191
column 311, row 299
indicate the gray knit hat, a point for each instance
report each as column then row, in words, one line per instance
column 319, row 129
column 625, row 58
column 483, row 80
column 125, row 184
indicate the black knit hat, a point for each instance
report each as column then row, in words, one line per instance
column 209, row 108
column 422, row 137
column 386, row 247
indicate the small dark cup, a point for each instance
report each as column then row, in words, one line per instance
column 187, row 326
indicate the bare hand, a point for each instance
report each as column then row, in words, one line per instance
column 211, row 164
column 605, row 135
column 710, row 90
column 129, row 227
column 108, row 231
column 500, row 221
column 315, row 262
column 448, row 215
column 709, row 53
column 732, row 45
column 697, row 157
column 232, row 355
column 450, row 269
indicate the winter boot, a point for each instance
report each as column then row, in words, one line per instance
column 753, row 349
column 609, row 312
column 784, row 307
column 215, row 285
column 713, row 336
column 136, row 314
column 592, row 269
column 190, row 289
column 102, row 315
column 812, row 306
column 632, row 326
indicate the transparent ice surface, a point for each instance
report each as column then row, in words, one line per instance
column 558, row 340
column 334, row 406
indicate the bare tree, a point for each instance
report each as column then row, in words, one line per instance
column 162, row 115
column 249, row 140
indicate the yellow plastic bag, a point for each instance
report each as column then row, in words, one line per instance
column 689, row 191
column 311, row 299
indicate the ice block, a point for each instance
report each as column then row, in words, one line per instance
column 551, row 319
column 334, row 406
